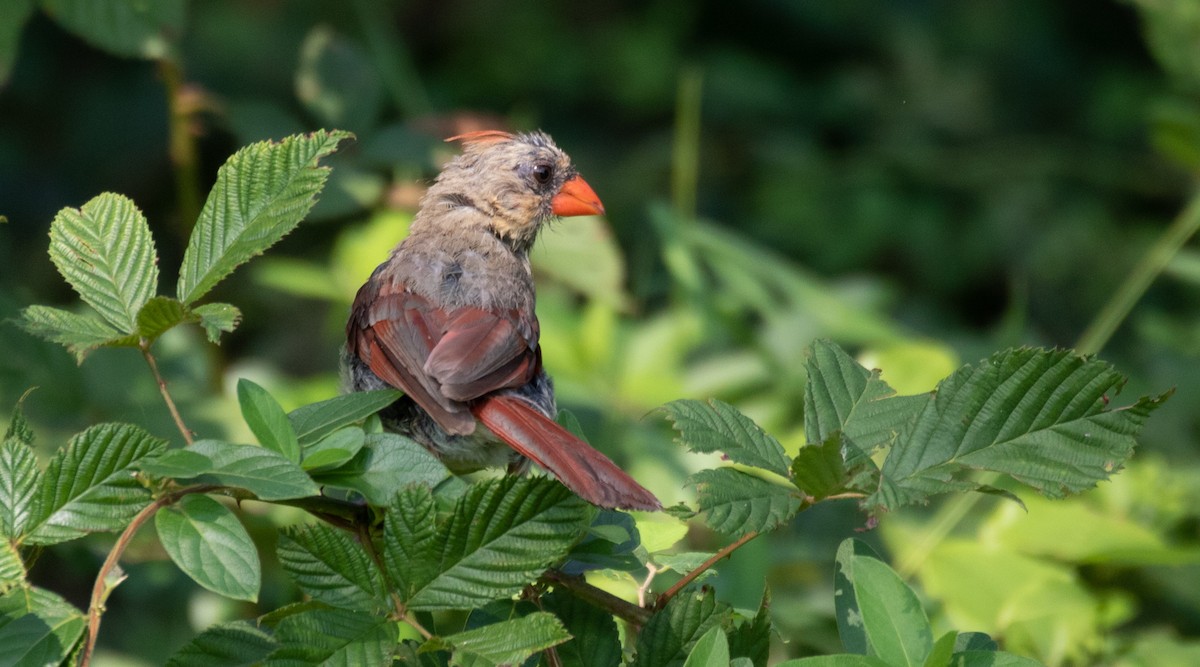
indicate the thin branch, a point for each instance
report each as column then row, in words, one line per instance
column 182, row 103
column 691, row 576
column 101, row 590
column 631, row 613
column 651, row 571
column 144, row 346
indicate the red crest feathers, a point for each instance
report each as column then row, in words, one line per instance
column 482, row 137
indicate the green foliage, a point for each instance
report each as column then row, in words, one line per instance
column 267, row 420
column 37, row 627
column 504, row 643
column 123, row 27
column 208, row 543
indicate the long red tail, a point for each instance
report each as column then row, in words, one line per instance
column 582, row 469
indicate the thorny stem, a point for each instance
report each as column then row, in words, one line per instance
column 691, row 576
column 144, row 346
column 630, row 613
column 100, row 590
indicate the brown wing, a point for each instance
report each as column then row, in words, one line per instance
column 441, row 359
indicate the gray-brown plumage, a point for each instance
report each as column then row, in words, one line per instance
column 449, row 319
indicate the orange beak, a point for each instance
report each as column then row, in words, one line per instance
column 576, row 198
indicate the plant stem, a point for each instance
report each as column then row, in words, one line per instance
column 100, row 590
column 144, row 346
column 630, row 613
column 1140, row 278
column 691, row 576
column 181, row 143
column 685, row 154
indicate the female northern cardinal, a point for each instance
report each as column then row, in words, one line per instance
column 449, row 319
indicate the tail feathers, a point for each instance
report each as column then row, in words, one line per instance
column 582, row 469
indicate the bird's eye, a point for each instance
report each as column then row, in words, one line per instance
column 542, row 173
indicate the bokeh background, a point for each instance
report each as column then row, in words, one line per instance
column 924, row 182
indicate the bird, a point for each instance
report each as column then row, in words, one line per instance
column 449, row 319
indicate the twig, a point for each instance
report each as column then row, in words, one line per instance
column 100, row 590
column 691, row 576
column 631, row 613
column 652, row 570
column 144, row 346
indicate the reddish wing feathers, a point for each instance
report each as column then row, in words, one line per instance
column 584, row 470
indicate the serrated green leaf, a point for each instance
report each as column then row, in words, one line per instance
column 121, row 27
column 502, row 535
column 80, row 334
column 106, row 253
column 266, row 474
column 13, row 16
column 12, row 568
column 267, row 420
column 161, row 314
column 735, row 503
column 818, row 468
column 89, row 485
column 711, row 650
column 386, row 464
column 261, row 194
column 716, row 426
column 234, row 644
column 19, row 480
column 331, row 568
column 752, row 639
column 313, row 422
column 216, row 318
column 210, row 545
column 595, row 641
column 841, row 395
column 18, row 426
column 892, row 620
column 670, row 634
column 1038, row 416
column 505, row 643
column 37, row 627
column 410, row 544
column 333, row 637
column 334, row 449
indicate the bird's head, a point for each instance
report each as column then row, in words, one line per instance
column 519, row 181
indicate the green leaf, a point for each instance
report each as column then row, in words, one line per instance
column 334, row 449
column 410, row 545
column 333, row 637
column 19, row 480
column 386, row 464
column 80, row 334
column 752, row 639
column 177, row 464
column 122, row 27
column 716, row 426
column 105, row 251
column 505, row 643
column 37, row 627
column 18, row 426
column 313, row 422
column 595, row 642
column 849, row 617
column 266, row 474
column 233, row 644
column 331, row 568
column 841, row 395
column 217, row 317
column 1038, row 416
column 210, row 545
column 736, row 503
column 12, row 568
column 992, row 659
column 89, row 485
column 502, row 535
column 942, row 651
column 261, row 194
column 819, row 469
column 267, row 420
column 161, row 314
column 711, row 650
column 896, row 627
column 670, row 634
column 13, row 16
column 836, row 661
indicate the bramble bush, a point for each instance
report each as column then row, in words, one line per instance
column 397, row 548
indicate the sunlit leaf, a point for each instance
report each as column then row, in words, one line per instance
column 880, row 608
column 315, row 421
column 715, row 426
column 12, row 567
column 159, row 315
column 80, row 334
column 736, row 503
column 105, row 251
column 267, row 420
column 89, row 484
column 334, row 449
column 19, row 481
column 210, row 545
column 260, row 471
column 386, row 464
column 261, row 194
column 711, row 650
column 216, row 318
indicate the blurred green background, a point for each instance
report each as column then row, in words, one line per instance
column 923, row 182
